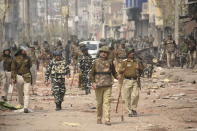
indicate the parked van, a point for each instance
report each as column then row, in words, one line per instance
column 93, row 47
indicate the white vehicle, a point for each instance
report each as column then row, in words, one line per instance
column 93, row 47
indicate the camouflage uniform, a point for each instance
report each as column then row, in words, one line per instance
column 101, row 74
column 21, row 74
column 85, row 64
column 170, row 47
column 129, row 71
column 6, row 75
column 120, row 56
column 56, row 70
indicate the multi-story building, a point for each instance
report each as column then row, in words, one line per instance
column 96, row 18
column 83, row 12
column 136, row 24
column 11, row 20
column 113, row 19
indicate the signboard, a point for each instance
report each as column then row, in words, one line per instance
column 134, row 3
column 65, row 11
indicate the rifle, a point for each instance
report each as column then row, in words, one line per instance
column 138, row 82
column 120, row 99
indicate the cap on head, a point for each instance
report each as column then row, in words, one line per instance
column 57, row 53
column 84, row 48
column 25, row 48
column 104, row 49
column 130, row 50
column 7, row 49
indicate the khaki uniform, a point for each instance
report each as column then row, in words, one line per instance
column 21, row 73
column 6, row 75
column 45, row 59
column 130, row 73
column 34, row 67
column 120, row 57
column 111, row 55
column 76, row 52
column 101, row 74
column 192, row 53
column 151, row 41
column 170, row 47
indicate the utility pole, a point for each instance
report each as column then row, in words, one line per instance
column 176, row 32
column 28, row 20
column 3, row 20
column 24, row 20
column 61, row 21
column 76, row 18
column 65, row 16
column 103, row 19
column 66, row 21
column 46, row 19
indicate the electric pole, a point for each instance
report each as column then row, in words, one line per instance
column 66, row 21
column 28, row 20
column 47, row 19
column 76, row 18
column 62, row 26
column 176, row 32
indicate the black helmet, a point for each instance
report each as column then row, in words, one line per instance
column 84, row 48
column 57, row 53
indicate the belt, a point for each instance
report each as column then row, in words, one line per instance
column 121, row 57
column 130, row 78
column 103, row 73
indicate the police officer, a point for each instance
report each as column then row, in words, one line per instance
column 183, row 56
column 56, row 70
column 76, row 53
column 120, row 56
column 45, row 57
column 129, row 71
column 21, row 76
column 170, row 47
column 101, row 78
column 34, row 66
column 85, row 64
column 192, row 52
column 7, row 61
column 151, row 40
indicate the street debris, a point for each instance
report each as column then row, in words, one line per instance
column 71, row 124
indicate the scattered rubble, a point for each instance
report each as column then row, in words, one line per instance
column 71, row 124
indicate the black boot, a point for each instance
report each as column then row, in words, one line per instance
column 87, row 91
column 26, row 110
column 4, row 98
column 58, row 106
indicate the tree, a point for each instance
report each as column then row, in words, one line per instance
column 3, row 10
